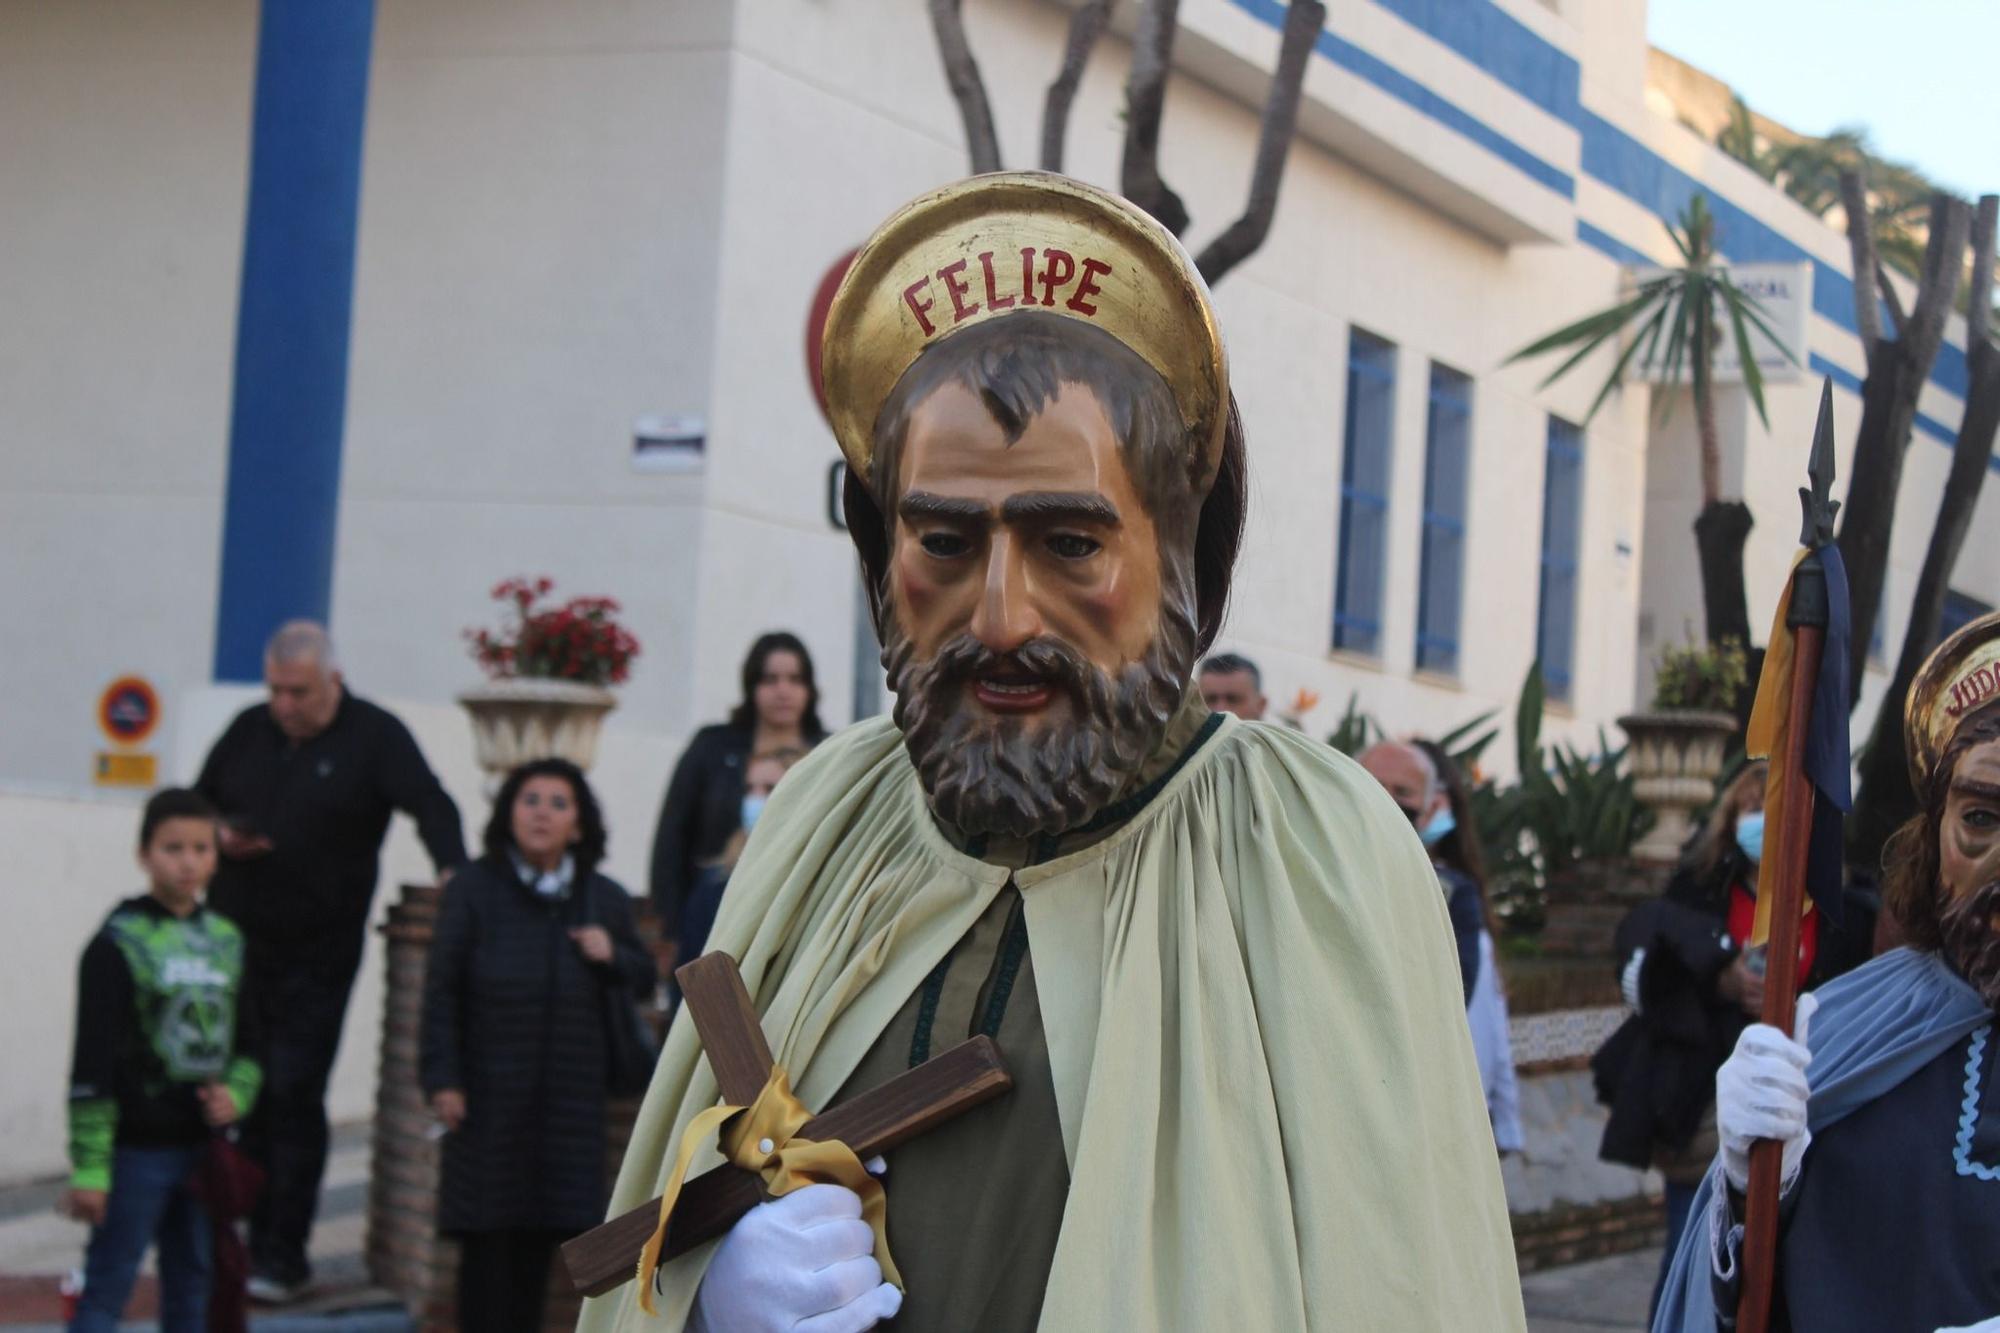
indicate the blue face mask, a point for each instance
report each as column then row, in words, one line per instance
column 1440, row 828
column 753, row 806
column 1750, row 835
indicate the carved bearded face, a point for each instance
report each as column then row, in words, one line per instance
column 1036, row 643
column 1969, row 869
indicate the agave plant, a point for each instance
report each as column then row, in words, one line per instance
column 1676, row 320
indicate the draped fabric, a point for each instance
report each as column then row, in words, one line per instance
column 1255, row 1026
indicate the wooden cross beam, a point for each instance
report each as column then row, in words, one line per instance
column 733, row 1038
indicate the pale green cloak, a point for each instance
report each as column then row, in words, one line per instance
column 1255, row 1025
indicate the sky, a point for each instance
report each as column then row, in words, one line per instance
column 1922, row 75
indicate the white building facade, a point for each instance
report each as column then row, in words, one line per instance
column 315, row 308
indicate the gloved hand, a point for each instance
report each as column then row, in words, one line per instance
column 1760, row 1093
column 1983, row 1326
column 802, row 1263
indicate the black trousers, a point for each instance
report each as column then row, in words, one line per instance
column 302, row 1003
column 503, row 1279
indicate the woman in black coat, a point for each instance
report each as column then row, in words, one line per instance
column 704, row 805
column 532, row 951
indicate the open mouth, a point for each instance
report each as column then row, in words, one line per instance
column 1013, row 693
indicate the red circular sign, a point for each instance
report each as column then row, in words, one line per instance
column 128, row 710
column 822, row 303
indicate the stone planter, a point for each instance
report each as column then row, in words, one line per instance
column 516, row 719
column 1675, row 757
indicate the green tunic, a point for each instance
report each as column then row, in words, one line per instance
column 1265, row 1101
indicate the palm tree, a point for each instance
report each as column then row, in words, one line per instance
column 1691, row 309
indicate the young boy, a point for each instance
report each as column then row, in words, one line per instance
column 159, row 1065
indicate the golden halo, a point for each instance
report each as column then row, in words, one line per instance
column 1961, row 675
column 1008, row 243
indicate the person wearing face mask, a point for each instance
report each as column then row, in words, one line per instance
column 1411, row 779
column 1886, row 1098
column 760, row 775
column 1453, row 842
column 514, row 1045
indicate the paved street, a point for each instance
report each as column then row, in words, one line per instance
column 37, row 1247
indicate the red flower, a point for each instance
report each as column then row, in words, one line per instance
column 578, row 640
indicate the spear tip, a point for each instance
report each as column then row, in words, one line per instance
column 1818, row 502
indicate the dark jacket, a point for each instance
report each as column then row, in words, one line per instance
column 325, row 805
column 1657, row 1072
column 1468, row 918
column 704, row 806
column 515, row 1018
column 161, row 1010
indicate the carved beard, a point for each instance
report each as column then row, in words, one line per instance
column 1971, row 945
column 987, row 774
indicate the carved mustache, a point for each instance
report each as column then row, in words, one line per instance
column 965, row 658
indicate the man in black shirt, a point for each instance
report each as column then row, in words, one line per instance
column 306, row 784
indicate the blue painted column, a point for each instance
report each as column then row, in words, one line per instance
column 282, row 501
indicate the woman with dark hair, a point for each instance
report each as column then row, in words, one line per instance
column 704, row 805
column 533, row 950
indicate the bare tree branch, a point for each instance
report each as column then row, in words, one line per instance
column 1145, row 103
column 1897, row 319
column 1085, row 27
column 961, row 72
column 1303, row 21
column 1979, row 313
column 1861, row 246
column 1944, row 252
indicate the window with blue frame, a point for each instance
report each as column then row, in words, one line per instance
column 1447, row 444
column 1364, row 493
column 1562, row 539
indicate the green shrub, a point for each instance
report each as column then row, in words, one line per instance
column 1701, row 676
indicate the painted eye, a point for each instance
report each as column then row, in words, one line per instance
column 945, row 545
column 1071, row 546
column 1982, row 818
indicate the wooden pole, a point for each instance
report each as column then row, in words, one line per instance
column 1781, row 975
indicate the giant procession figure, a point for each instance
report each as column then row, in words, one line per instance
column 1887, row 1098
column 1213, row 953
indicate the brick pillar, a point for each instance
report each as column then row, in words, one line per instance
column 405, row 1254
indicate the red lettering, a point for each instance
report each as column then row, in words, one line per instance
column 994, row 301
column 957, row 287
column 1054, row 276
column 1087, row 286
column 910, row 300
column 1027, row 275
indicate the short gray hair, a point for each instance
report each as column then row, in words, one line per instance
column 301, row 641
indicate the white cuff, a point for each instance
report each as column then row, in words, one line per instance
column 1628, row 980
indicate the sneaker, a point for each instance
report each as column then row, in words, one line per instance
column 267, row 1289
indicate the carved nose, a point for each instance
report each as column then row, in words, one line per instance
column 1006, row 617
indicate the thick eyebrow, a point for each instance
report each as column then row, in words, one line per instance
column 1974, row 787
column 923, row 504
column 1060, row 506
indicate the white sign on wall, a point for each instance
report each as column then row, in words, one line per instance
column 1783, row 293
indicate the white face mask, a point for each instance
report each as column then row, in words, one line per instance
column 753, row 806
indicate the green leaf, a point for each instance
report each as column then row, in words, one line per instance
column 1528, row 722
column 1591, row 329
column 1618, row 370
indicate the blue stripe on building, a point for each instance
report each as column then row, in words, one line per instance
column 1503, row 47
column 289, row 402
column 1373, row 69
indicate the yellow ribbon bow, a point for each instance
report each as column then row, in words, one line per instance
column 762, row 1140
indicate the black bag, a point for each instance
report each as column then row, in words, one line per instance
column 629, row 1049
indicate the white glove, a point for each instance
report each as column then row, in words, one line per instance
column 802, row 1263
column 1983, row 1326
column 1760, row 1093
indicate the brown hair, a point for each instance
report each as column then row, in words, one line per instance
column 1718, row 833
column 1017, row 366
column 1910, row 858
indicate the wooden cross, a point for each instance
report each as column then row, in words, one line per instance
column 874, row 1122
